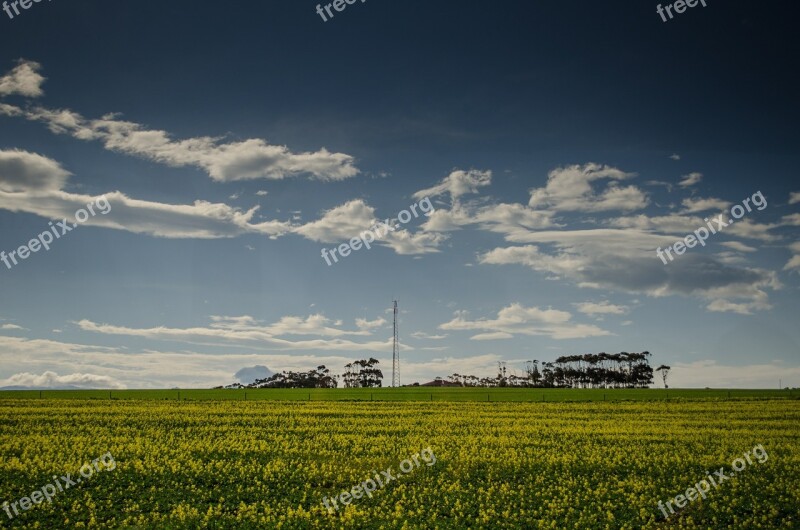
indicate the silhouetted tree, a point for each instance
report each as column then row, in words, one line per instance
column 664, row 369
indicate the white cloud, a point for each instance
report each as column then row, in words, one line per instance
column 794, row 197
column 696, row 205
column 202, row 220
column 24, row 171
column 690, row 180
column 340, row 223
column 791, row 220
column 242, row 160
column 350, row 220
column 11, row 327
column 737, row 246
column 364, row 324
column 261, row 193
column 748, row 229
column 602, row 308
column 150, row 368
column 457, row 184
column 32, row 183
column 626, row 260
column 496, row 335
column 670, row 224
column 570, row 189
column 794, row 262
column 512, row 219
column 224, row 162
column 502, row 218
column 675, row 156
column 247, row 331
column 423, row 335
column 23, row 80
column 517, row 319
column 53, row 380
column 406, row 243
column 710, row 373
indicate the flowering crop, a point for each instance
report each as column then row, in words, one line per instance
column 499, row 465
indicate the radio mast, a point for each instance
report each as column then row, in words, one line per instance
column 395, row 351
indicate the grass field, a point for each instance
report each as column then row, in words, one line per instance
column 408, row 394
column 499, row 465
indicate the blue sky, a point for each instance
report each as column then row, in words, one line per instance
column 560, row 145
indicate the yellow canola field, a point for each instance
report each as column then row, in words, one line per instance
column 267, row 464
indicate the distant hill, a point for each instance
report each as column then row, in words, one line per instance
column 251, row 374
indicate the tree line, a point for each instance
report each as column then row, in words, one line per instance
column 591, row 370
column 363, row 373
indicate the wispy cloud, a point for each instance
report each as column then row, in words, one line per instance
column 53, row 380
column 223, row 161
column 601, row 308
column 246, row 330
column 690, row 180
column 517, row 319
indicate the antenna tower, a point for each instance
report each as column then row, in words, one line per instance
column 395, row 351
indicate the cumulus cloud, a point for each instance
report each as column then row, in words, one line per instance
column 23, row 80
column 625, row 260
column 503, row 218
column 517, row 319
column 619, row 257
column 340, row 223
column 25, row 171
column 571, row 188
column 349, row 220
column 407, row 243
column 364, row 324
